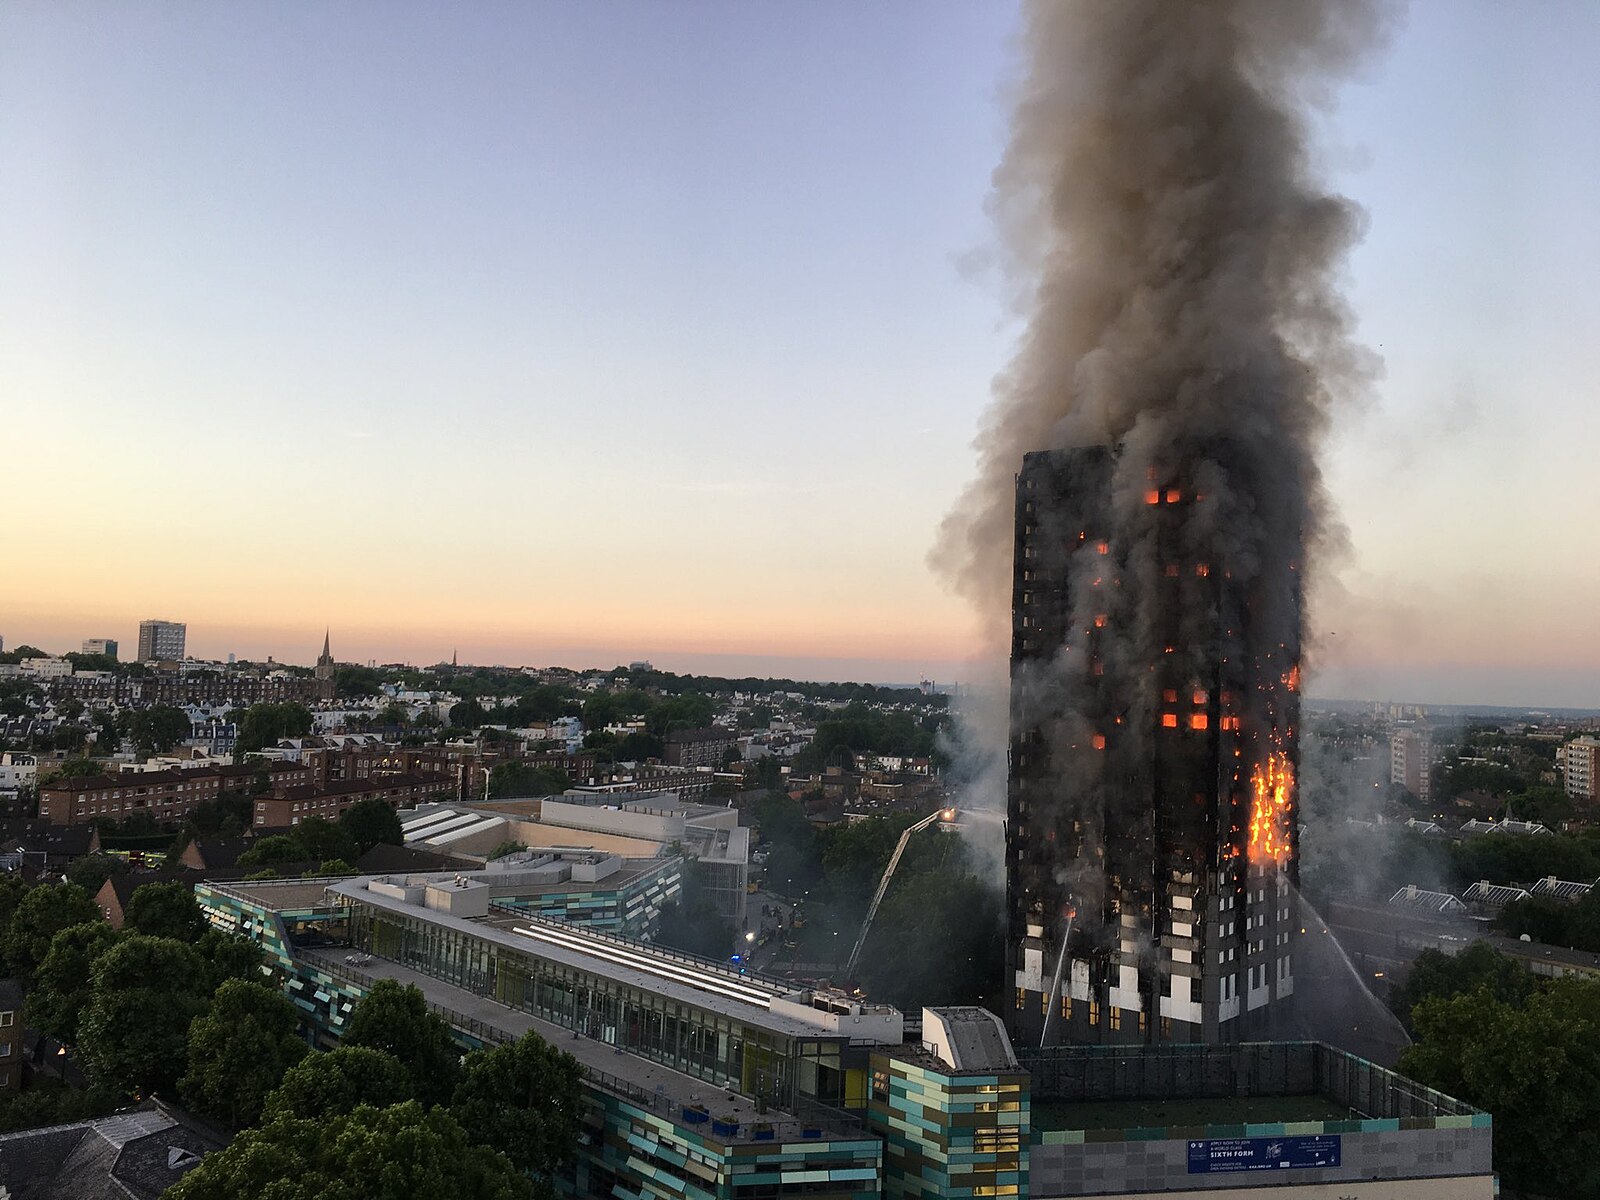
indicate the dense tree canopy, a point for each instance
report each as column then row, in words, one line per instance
column 524, row 1100
column 263, row 724
column 370, row 1154
column 1438, row 976
column 515, row 779
column 61, row 984
column 92, row 870
column 165, row 910
column 395, row 1019
column 1556, row 922
column 239, row 1051
column 41, row 913
column 1535, row 1065
column 144, row 991
column 371, row 821
column 333, row 1084
column 157, row 729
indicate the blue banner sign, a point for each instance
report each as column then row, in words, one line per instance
column 1262, row 1154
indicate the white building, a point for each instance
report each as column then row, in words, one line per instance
column 1580, row 768
column 17, row 771
column 1411, row 760
column 47, row 668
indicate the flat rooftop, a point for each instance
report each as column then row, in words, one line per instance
column 282, row 895
column 652, row 1085
column 631, row 963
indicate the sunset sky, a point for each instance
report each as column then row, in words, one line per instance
column 578, row 333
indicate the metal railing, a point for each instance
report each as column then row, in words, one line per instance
column 1090, row 1074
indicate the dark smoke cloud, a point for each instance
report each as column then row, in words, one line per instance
column 1176, row 261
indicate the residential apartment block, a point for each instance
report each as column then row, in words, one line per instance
column 162, row 641
column 699, row 747
column 1411, row 760
column 164, row 795
column 288, row 806
column 1580, row 769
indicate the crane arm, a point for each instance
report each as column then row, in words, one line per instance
column 942, row 814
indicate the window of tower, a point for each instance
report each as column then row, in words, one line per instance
column 1169, row 720
column 1198, row 721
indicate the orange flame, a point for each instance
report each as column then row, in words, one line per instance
column 1272, row 788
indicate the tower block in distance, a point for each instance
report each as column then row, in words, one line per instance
column 1151, row 839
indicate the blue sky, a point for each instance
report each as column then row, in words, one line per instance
column 585, row 332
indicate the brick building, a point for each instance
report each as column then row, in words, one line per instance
column 699, row 747
column 289, row 806
column 165, row 795
column 205, row 688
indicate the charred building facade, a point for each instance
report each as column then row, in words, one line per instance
column 1150, row 839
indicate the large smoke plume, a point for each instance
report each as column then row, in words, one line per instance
column 1175, row 259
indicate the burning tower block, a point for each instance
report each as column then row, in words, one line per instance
column 1151, row 840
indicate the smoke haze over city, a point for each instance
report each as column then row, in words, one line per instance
column 798, row 330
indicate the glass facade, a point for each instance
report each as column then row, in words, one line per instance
column 760, row 1063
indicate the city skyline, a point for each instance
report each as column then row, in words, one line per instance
column 495, row 403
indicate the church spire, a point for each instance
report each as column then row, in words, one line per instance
column 325, row 659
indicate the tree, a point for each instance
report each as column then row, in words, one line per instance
column 92, row 870
column 356, row 681
column 230, row 956
column 396, row 1020
column 369, row 1154
column 263, row 724
column 328, row 1085
column 524, row 1100
column 279, row 848
column 330, row 866
column 469, row 714
column 510, row 779
column 239, row 1052
column 1534, row 1066
column 936, row 940
column 61, row 984
column 156, row 729
column 321, row 839
column 691, row 710
column 165, row 910
column 143, row 994
column 1556, row 922
column 70, row 738
column 1436, row 975
column 74, row 768
column 42, row 913
column 371, row 821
